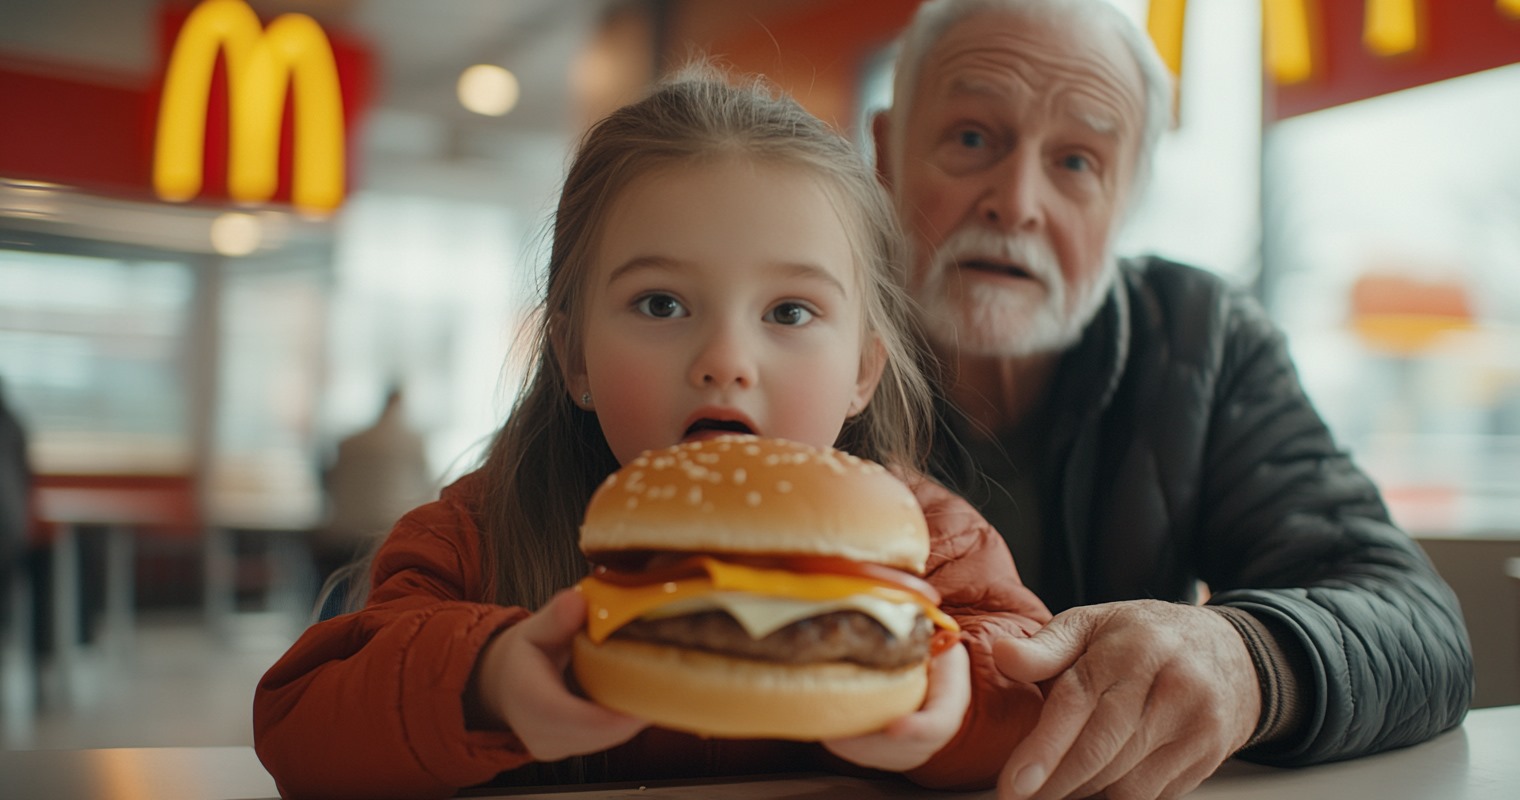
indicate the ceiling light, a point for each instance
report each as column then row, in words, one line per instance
column 488, row 89
column 234, row 234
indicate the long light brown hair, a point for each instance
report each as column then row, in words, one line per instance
column 550, row 455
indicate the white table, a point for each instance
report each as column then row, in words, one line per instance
column 1478, row 761
column 162, row 773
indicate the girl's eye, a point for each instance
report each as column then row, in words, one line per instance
column 660, row 306
column 791, row 314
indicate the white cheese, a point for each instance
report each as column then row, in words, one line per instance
column 761, row 615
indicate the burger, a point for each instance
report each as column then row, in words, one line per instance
column 757, row 588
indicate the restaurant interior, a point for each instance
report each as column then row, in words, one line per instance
column 184, row 359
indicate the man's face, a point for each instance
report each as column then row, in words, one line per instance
column 1021, row 142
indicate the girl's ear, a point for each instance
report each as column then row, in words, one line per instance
column 872, row 363
column 572, row 363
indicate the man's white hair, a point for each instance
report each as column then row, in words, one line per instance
column 936, row 17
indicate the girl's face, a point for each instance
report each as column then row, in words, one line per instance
column 723, row 297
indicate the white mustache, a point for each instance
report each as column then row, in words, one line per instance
column 1032, row 253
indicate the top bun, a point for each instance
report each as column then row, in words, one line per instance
column 745, row 494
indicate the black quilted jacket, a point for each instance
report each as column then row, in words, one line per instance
column 1186, row 450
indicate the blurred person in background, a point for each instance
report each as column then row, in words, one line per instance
column 378, row 474
column 1134, row 427
column 15, row 507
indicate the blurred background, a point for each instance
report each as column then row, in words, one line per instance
column 186, row 358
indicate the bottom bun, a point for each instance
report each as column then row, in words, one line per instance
column 714, row 695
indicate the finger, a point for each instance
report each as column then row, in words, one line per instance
column 1049, row 652
column 592, row 732
column 553, row 723
column 910, row 740
column 1041, row 761
column 1162, row 773
column 1112, row 719
column 1048, row 656
column 1030, row 764
column 570, row 738
column 862, row 750
column 1189, row 779
column 948, row 697
column 1140, row 768
column 555, row 624
column 945, row 703
column 882, row 750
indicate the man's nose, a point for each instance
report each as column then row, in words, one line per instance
column 1013, row 199
column 725, row 358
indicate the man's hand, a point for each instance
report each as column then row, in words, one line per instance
column 1144, row 699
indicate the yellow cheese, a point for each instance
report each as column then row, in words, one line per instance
column 609, row 606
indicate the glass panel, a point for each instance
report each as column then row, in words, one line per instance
column 272, row 335
column 1398, row 224
column 91, row 353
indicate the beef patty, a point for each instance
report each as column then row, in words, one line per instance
column 835, row 636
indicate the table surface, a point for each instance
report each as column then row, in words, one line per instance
column 1474, row 762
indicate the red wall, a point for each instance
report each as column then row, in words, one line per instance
column 1458, row 37
column 66, row 129
column 95, row 131
column 814, row 50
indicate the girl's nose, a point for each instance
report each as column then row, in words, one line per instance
column 725, row 359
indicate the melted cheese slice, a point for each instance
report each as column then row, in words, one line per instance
column 762, row 615
column 609, row 606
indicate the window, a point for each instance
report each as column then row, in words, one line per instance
column 92, row 353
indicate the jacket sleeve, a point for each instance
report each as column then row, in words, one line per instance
column 370, row 704
column 1298, row 536
column 970, row 565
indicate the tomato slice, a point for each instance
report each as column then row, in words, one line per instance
column 690, row 565
column 943, row 640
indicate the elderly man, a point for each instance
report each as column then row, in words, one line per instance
column 1134, row 427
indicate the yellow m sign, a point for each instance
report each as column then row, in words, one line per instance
column 1389, row 28
column 261, row 63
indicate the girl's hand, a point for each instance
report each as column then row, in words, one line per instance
column 909, row 741
column 521, row 679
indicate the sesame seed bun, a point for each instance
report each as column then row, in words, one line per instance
column 739, row 500
column 744, row 494
column 715, row 695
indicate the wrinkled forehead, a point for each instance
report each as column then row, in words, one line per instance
column 1072, row 64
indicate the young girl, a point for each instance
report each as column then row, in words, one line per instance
column 720, row 259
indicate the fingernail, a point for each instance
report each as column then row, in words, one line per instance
column 1029, row 781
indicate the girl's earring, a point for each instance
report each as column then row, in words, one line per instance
column 585, row 399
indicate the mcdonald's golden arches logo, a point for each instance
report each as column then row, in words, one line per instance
column 1389, row 28
column 293, row 51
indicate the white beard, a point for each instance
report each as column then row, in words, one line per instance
column 1000, row 319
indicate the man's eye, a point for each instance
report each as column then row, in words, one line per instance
column 789, row 314
column 660, row 306
column 1076, row 163
column 972, row 139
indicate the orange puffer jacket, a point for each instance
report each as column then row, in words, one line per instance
column 370, row 704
